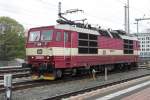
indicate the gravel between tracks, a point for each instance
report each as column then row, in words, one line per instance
column 43, row 92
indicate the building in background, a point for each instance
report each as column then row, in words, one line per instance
column 144, row 39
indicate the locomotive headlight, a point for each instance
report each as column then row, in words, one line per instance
column 39, row 44
column 32, row 57
column 48, row 57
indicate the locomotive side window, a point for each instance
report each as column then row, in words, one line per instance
column 58, row 36
column 46, row 35
column 83, row 43
column 92, row 37
column 34, row 36
column 83, row 50
column 87, row 43
column 93, row 44
column 93, row 50
column 83, row 36
column 128, row 46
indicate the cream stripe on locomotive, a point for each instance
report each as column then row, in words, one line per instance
column 55, row 51
column 60, row 51
column 34, row 51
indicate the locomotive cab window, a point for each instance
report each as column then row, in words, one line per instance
column 46, row 35
column 34, row 36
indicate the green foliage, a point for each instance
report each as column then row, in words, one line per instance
column 11, row 39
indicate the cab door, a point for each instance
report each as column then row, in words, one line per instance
column 67, row 47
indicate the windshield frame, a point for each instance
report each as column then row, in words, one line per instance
column 40, row 32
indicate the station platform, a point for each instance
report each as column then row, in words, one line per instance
column 137, row 92
column 143, row 94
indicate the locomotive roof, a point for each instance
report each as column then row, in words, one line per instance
column 89, row 31
column 95, row 32
column 129, row 37
column 77, row 29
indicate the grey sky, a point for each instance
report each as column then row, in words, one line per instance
column 106, row 13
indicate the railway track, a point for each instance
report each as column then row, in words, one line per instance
column 12, row 70
column 81, row 91
column 17, row 72
column 17, row 75
column 23, row 85
column 37, row 83
column 30, row 84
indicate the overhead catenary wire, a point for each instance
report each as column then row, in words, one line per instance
column 50, row 5
column 96, row 17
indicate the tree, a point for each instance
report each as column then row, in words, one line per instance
column 11, row 39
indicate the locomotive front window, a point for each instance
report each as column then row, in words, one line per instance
column 34, row 36
column 46, row 35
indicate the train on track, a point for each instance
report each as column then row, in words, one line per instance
column 70, row 47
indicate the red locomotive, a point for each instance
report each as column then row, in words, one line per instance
column 74, row 47
column 53, row 50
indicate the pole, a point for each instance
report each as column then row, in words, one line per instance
column 137, row 26
column 125, row 19
column 128, row 17
column 59, row 10
column 106, row 74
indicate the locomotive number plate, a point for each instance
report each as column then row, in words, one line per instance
column 39, row 51
column 39, row 57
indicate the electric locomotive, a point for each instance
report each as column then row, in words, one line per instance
column 71, row 47
column 52, row 50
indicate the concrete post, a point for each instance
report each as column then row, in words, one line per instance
column 106, row 76
column 8, row 86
